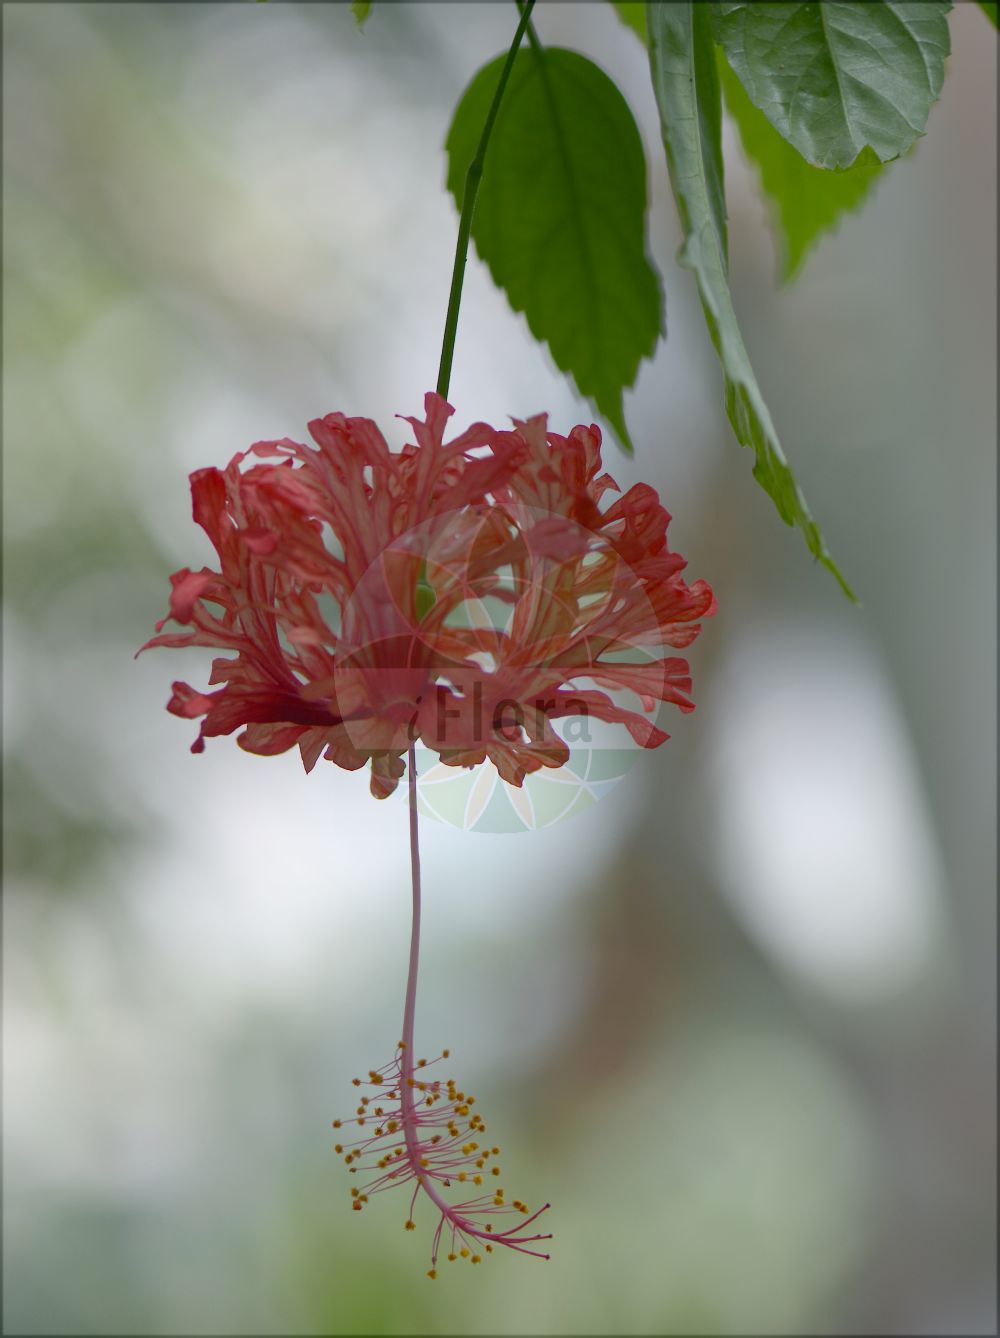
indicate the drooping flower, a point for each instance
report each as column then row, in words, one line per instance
column 466, row 593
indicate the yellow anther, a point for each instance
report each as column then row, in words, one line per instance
column 496, row 1170
column 338, row 1147
column 476, row 1259
column 452, row 1258
column 436, row 1138
column 356, row 1082
column 489, row 1249
column 464, row 1252
column 411, row 1226
column 421, row 1063
column 477, row 1179
column 445, row 1054
column 355, row 1193
column 495, row 1151
column 336, row 1124
column 432, row 1272
column 356, row 1205
column 462, row 1176
column 378, row 1131
column 392, row 1126
column 375, row 1077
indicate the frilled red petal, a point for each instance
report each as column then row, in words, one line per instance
column 338, row 436
column 267, row 740
column 597, row 704
column 187, row 588
column 188, row 703
column 664, row 680
column 387, row 770
column 209, row 497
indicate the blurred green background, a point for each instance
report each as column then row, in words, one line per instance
column 737, row 1023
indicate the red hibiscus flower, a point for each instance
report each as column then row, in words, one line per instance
column 466, row 593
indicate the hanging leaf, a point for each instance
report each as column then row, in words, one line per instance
column 561, row 216
column 361, row 9
column 806, row 201
column 835, row 78
column 686, row 84
column 633, row 14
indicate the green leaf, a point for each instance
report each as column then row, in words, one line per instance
column 633, row 14
column 561, row 216
column 686, row 84
column 989, row 8
column 361, row 9
column 835, row 78
column 806, row 201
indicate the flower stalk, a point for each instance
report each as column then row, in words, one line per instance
column 470, row 190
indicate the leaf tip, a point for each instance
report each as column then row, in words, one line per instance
column 841, row 580
column 614, row 414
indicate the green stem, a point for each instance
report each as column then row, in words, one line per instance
column 469, row 192
column 533, row 39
